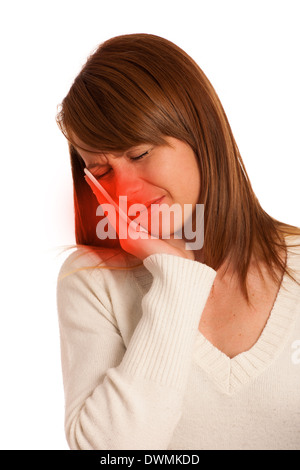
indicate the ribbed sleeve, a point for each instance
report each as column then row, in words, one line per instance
column 118, row 398
column 162, row 344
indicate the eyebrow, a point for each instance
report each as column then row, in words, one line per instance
column 119, row 154
column 99, row 164
column 94, row 165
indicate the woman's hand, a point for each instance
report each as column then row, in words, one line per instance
column 140, row 244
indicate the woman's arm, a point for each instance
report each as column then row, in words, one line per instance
column 118, row 398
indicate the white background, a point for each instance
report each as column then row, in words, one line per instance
column 249, row 50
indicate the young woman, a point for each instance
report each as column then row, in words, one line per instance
column 164, row 347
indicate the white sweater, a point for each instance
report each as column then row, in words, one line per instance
column 138, row 374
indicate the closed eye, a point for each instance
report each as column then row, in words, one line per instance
column 135, row 158
column 141, row 156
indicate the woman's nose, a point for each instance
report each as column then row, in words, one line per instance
column 127, row 182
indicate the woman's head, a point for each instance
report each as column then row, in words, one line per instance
column 147, row 173
column 138, row 91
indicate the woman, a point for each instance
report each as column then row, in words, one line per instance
column 164, row 347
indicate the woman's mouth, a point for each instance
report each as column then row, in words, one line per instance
column 149, row 209
column 157, row 201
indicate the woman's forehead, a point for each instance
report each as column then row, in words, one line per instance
column 82, row 147
column 97, row 158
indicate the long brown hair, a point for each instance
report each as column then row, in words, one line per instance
column 138, row 88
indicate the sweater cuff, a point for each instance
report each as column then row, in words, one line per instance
column 178, row 269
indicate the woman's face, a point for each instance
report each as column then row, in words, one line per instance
column 171, row 173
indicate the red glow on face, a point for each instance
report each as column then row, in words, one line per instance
column 175, row 184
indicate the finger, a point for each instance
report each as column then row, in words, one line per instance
column 117, row 218
column 99, row 196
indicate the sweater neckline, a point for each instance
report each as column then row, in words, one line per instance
column 230, row 374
